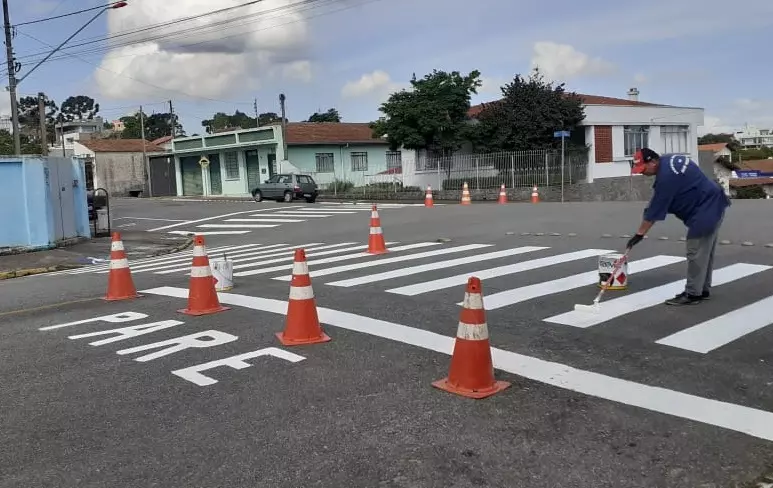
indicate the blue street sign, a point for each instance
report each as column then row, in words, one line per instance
column 561, row 133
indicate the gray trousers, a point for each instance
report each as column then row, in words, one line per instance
column 700, row 261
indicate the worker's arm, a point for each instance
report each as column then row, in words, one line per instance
column 656, row 211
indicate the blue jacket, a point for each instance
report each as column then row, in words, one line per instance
column 682, row 189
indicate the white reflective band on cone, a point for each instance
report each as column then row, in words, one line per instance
column 116, row 246
column 375, row 230
column 119, row 263
column 301, row 268
column 301, row 293
column 374, row 215
column 200, row 250
column 472, row 332
column 473, row 301
column 200, row 272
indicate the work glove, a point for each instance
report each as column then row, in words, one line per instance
column 634, row 240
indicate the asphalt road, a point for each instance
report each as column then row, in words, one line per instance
column 642, row 395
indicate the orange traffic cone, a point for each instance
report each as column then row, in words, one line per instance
column 534, row 195
column 472, row 370
column 302, row 323
column 120, row 285
column 376, row 243
column 202, row 297
column 428, row 202
column 466, row 200
column 502, row 195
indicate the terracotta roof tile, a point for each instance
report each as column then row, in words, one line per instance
column 764, row 165
column 587, row 100
column 330, row 133
column 120, row 145
column 719, row 146
column 161, row 140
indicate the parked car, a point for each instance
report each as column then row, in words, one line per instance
column 287, row 187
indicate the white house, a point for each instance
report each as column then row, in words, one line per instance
column 721, row 173
column 751, row 137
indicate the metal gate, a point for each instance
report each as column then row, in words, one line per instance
column 191, row 173
column 162, row 177
column 215, row 181
column 59, row 178
column 253, row 169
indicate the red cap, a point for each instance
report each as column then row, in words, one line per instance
column 641, row 158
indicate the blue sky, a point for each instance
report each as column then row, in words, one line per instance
column 350, row 54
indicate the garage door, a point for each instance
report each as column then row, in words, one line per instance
column 191, row 173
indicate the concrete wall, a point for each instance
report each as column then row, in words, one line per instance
column 304, row 158
column 119, row 173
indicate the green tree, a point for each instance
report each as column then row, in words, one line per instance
column 29, row 119
column 156, row 125
column 526, row 117
column 431, row 116
column 79, row 107
column 27, row 146
column 716, row 138
column 331, row 115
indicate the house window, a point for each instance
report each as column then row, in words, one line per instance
column 359, row 161
column 675, row 138
column 231, row 166
column 394, row 159
column 636, row 137
column 324, row 162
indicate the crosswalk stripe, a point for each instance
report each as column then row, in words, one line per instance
column 213, row 233
column 255, row 221
column 617, row 307
column 443, row 283
column 397, row 273
column 211, row 253
column 398, row 259
column 715, row 333
column 336, row 259
column 357, row 247
column 238, row 226
column 517, row 295
column 304, row 215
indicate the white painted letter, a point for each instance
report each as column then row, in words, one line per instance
column 127, row 332
column 180, row 344
column 193, row 373
column 113, row 319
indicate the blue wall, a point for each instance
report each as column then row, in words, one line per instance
column 304, row 158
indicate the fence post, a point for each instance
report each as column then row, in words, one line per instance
column 512, row 169
column 477, row 175
column 547, row 170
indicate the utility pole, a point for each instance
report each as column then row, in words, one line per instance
column 171, row 120
column 11, row 79
column 43, row 128
column 145, row 161
column 282, row 99
column 257, row 117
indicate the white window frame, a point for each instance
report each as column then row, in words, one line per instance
column 359, row 161
column 635, row 137
column 325, row 162
column 231, row 164
column 676, row 139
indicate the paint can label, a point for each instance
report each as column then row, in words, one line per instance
column 222, row 272
column 606, row 266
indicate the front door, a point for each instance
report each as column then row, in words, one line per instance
column 215, row 181
column 271, row 165
column 191, row 176
column 253, row 169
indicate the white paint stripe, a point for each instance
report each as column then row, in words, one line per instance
column 119, row 263
column 237, row 226
column 301, row 293
column 308, row 254
column 148, row 218
column 472, row 332
column 746, row 420
column 254, row 221
column 497, row 272
column 215, row 233
column 336, row 259
column 188, row 222
column 506, row 298
column 618, row 307
column 397, row 259
column 200, row 271
column 397, row 273
column 185, row 260
column 715, row 333
column 305, row 215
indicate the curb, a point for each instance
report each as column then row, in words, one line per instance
column 20, row 273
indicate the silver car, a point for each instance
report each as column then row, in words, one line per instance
column 287, row 187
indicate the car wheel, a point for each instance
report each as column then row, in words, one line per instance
column 257, row 196
column 288, row 196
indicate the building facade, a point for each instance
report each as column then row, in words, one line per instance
column 751, row 137
column 117, row 165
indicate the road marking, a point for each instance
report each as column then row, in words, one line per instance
column 277, row 250
column 517, row 295
column 281, row 221
column 618, row 307
column 193, row 373
column 237, row 226
column 191, row 341
column 148, row 218
column 305, row 215
column 397, row 273
column 747, row 420
column 188, row 222
column 179, row 261
column 443, row 283
column 398, row 259
column 316, row 252
column 715, row 333
column 115, row 318
column 127, row 332
column 44, row 307
column 336, row 259
column 215, row 233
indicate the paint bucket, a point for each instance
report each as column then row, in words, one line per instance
column 223, row 273
column 606, row 266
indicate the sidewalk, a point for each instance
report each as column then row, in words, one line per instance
column 138, row 245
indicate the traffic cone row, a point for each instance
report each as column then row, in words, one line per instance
column 466, row 200
column 120, row 285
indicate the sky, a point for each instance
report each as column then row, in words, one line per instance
column 351, row 54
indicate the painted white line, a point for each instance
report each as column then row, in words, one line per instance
column 148, row 218
column 237, row 226
column 351, row 248
column 443, row 283
column 215, row 233
column 397, row 259
column 397, row 273
column 304, row 215
column 336, row 259
column 186, row 256
column 211, row 253
column 281, row 221
column 738, row 418
column 618, row 307
column 517, row 295
column 248, row 256
column 715, row 333
column 188, row 222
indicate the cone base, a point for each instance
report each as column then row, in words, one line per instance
column 198, row 313
column 377, row 251
column 465, row 392
column 299, row 342
column 127, row 297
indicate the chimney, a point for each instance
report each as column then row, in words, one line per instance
column 633, row 94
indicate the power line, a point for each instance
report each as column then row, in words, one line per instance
column 64, row 15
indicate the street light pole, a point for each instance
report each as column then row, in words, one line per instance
column 11, row 80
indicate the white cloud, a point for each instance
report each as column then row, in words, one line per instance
column 562, row 62
column 377, row 84
column 640, row 78
column 492, row 85
column 211, row 61
column 743, row 111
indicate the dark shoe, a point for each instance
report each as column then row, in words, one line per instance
column 684, row 299
column 705, row 295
